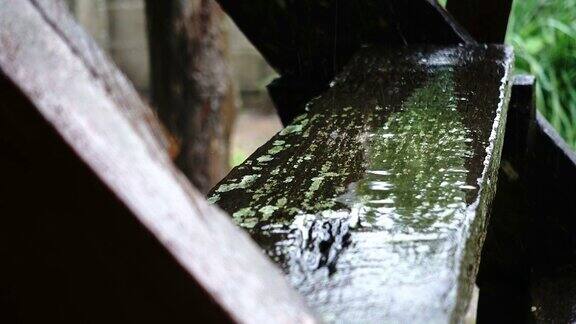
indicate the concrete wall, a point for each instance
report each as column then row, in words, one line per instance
column 119, row 26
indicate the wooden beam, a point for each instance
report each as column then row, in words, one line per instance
column 527, row 272
column 375, row 201
column 485, row 20
column 308, row 42
column 97, row 225
column 306, row 37
column 504, row 272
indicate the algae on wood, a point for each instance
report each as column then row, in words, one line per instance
column 374, row 201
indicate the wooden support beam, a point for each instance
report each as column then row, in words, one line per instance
column 551, row 174
column 504, row 273
column 97, row 225
column 528, row 273
column 485, row 20
column 375, row 201
column 308, row 42
column 307, row 37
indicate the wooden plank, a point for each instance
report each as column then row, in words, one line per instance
column 308, row 42
column 374, row 202
column 485, row 20
column 97, row 223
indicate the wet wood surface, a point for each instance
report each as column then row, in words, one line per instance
column 375, row 201
column 97, row 224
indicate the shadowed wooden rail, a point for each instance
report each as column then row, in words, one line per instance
column 375, row 201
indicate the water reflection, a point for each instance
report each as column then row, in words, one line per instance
column 416, row 165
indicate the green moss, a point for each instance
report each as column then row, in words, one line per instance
column 281, row 202
column 267, row 211
column 316, row 182
column 278, row 143
column 275, row 150
column 240, row 215
column 249, row 223
column 213, row 199
column 295, row 127
column 414, row 163
column 246, row 182
column 264, row 158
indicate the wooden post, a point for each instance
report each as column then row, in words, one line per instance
column 191, row 84
column 375, row 201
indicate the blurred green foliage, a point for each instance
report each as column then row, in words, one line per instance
column 237, row 157
column 543, row 33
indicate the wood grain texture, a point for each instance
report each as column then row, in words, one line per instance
column 375, row 200
column 97, row 223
